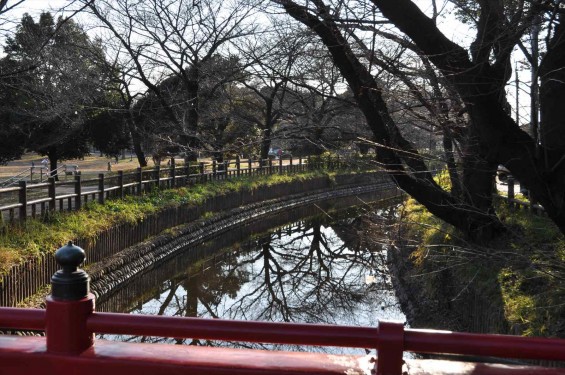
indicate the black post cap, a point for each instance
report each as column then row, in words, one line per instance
column 71, row 282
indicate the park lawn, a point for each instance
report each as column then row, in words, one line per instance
column 35, row 237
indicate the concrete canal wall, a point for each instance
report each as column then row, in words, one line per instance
column 234, row 208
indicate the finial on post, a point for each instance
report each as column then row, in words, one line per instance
column 71, row 282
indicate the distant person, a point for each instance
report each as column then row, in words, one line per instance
column 109, row 167
column 45, row 163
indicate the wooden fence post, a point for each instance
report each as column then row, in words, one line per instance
column 270, row 166
column 238, row 165
column 300, row 166
column 511, row 195
column 51, row 192
column 158, row 176
column 101, row 197
column 139, row 181
column 202, row 175
column 187, row 173
column 173, row 173
column 249, row 166
column 214, row 169
column 280, row 165
column 78, row 196
column 121, row 184
column 23, row 200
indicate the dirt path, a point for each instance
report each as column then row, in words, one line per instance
column 88, row 165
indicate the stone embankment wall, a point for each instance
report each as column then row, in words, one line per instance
column 26, row 279
column 442, row 299
column 111, row 273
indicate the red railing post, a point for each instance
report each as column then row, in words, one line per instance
column 390, row 348
column 69, row 305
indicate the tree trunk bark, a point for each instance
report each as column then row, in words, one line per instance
column 267, row 131
column 136, row 142
column 479, row 85
column 552, row 95
column 193, row 119
column 400, row 158
column 456, row 188
column 53, row 160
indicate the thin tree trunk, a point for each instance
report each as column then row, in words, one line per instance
column 136, row 141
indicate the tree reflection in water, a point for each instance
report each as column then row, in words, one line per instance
column 309, row 272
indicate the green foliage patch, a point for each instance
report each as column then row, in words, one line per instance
column 35, row 237
column 523, row 270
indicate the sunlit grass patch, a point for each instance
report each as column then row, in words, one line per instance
column 35, row 237
column 524, row 269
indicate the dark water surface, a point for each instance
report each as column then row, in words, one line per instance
column 319, row 270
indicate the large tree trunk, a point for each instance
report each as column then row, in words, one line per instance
column 478, row 177
column 136, row 142
column 267, row 131
column 265, row 146
column 479, row 84
column 552, row 95
column 456, row 188
column 399, row 157
column 53, row 156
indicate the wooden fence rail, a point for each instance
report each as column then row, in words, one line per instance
column 25, row 279
column 38, row 200
column 516, row 204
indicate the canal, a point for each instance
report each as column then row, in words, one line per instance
column 329, row 268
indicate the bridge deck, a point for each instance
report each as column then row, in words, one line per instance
column 28, row 355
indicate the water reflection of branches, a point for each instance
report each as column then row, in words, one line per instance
column 307, row 276
column 307, row 273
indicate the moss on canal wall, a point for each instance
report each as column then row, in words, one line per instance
column 162, row 210
column 513, row 285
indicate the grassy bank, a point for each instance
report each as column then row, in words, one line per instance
column 35, row 237
column 515, row 284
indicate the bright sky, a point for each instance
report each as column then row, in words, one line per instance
column 452, row 28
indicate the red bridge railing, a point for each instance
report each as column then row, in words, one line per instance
column 70, row 322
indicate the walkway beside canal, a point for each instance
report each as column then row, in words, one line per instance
column 25, row 279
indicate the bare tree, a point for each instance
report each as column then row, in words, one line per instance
column 478, row 75
column 176, row 37
column 270, row 61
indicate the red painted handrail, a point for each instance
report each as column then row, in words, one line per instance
column 234, row 330
column 14, row 318
column 505, row 346
column 413, row 340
